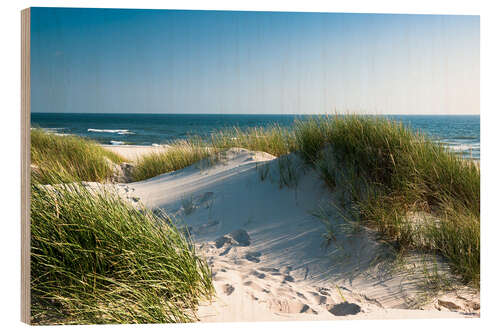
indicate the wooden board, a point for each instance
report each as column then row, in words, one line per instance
column 25, row 166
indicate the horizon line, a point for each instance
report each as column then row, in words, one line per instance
column 270, row 114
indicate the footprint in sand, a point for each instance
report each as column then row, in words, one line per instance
column 258, row 274
column 344, row 309
column 253, row 256
column 227, row 289
column 237, row 237
column 324, row 291
column 319, row 299
column 301, row 295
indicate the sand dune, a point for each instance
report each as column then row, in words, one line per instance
column 264, row 241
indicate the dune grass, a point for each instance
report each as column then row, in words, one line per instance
column 97, row 260
column 391, row 173
column 69, row 158
column 183, row 153
column 274, row 140
column 179, row 155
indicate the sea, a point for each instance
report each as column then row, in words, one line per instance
column 460, row 133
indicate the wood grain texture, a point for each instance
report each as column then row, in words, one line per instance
column 25, row 166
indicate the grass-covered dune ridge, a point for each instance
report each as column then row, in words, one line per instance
column 69, row 158
column 392, row 173
column 393, row 155
column 274, row 140
column 95, row 259
column 180, row 154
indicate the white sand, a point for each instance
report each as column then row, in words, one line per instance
column 286, row 272
column 131, row 153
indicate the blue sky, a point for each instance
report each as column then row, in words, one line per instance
column 161, row 61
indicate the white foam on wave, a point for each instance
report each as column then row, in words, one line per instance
column 49, row 129
column 116, row 143
column 117, row 131
column 52, row 130
column 463, row 147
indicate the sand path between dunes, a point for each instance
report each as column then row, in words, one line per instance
column 265, row 244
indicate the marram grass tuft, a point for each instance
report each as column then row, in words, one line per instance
column 95, row 259
column 69, row 158
column 393, row 173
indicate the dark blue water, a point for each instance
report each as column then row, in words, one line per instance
column 460, row 133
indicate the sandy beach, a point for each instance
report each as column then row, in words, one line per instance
column 266, row 247
column 131, row 153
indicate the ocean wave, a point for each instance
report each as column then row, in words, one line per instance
column 52, row 130
column 116, row 143
column 49, row 129
column 463, row 147
column 117, row 131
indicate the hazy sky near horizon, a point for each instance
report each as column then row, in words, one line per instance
column 162, row 61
